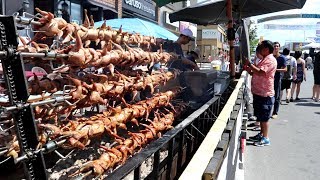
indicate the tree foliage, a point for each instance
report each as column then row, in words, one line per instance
column 253, row 37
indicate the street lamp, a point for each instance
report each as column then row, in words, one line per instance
column 65, row 11
column 65, row 6
column 25, row 5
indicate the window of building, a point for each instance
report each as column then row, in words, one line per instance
column 76, row 12
column 207, row 50
column 69, row 10
column 1, row 7
column 199, row 34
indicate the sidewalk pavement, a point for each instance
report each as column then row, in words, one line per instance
column 294, row 153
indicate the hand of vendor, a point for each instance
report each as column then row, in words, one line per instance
column 246, row 61
column 159, row 41
column 188, row 62
column 246, row 64
column 174, row 56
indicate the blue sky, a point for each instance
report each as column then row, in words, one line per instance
column 282, row 36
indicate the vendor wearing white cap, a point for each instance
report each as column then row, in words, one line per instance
column 179, row 61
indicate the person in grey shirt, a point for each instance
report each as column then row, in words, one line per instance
column 309, row 62
column 289, row 75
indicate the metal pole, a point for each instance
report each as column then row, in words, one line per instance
column 231, row 52
column 55, row 100
column 44, row 55
column 25, row 124
column 26, row 21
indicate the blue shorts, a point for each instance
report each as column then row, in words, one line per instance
column 262, row 107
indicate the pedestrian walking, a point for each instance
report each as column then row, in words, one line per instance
column 309, row 62
column 289, row 75
column 301, row 75
column 316, row 75
column 262, row 88
column 281, row 68
column 209, row 58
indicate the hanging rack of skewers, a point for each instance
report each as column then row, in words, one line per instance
column 45, row 125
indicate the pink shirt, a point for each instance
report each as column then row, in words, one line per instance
column 263, row 84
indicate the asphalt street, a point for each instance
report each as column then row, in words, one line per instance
column 294, row 153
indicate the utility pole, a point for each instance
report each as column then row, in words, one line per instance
column 231, row 37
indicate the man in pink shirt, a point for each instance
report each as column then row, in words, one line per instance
column 262, row 88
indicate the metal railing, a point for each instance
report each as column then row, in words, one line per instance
column 207, row 161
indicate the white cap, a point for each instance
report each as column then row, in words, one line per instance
column 187, row 32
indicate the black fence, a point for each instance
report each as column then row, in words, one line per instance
column 227, row 140
column 169, row 155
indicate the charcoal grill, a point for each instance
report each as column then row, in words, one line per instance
column 181, row 143
column 199, row 86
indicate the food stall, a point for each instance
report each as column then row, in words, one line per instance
column 92, row 115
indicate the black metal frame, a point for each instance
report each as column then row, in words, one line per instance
column 181, row 143
column 23, row 116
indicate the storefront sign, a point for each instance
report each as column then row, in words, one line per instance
column 210, row 34
column 143, row 7
column 290, row 27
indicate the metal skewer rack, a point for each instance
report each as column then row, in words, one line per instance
column 22, row 111
column 188, row 134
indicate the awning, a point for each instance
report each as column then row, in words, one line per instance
column 164, row 2
column 136, row 25
column 137, row 15
column 214, row 11
column 104, row 5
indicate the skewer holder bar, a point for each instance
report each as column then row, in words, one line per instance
column 23, row 116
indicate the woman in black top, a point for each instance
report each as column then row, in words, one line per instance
column 316, row 75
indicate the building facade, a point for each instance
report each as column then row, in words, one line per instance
column 164, row 20
column 70, row 10
column 143, row 9
column 211, row 40
column 177, row 27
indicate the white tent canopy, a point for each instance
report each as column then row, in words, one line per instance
column 312, row 45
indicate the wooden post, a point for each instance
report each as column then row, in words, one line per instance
column 231, row 45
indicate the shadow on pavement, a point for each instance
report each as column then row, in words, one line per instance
column 253, row 129
column 301, row 100
column 308, row 104
column 249, row 142
column 306, row 98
